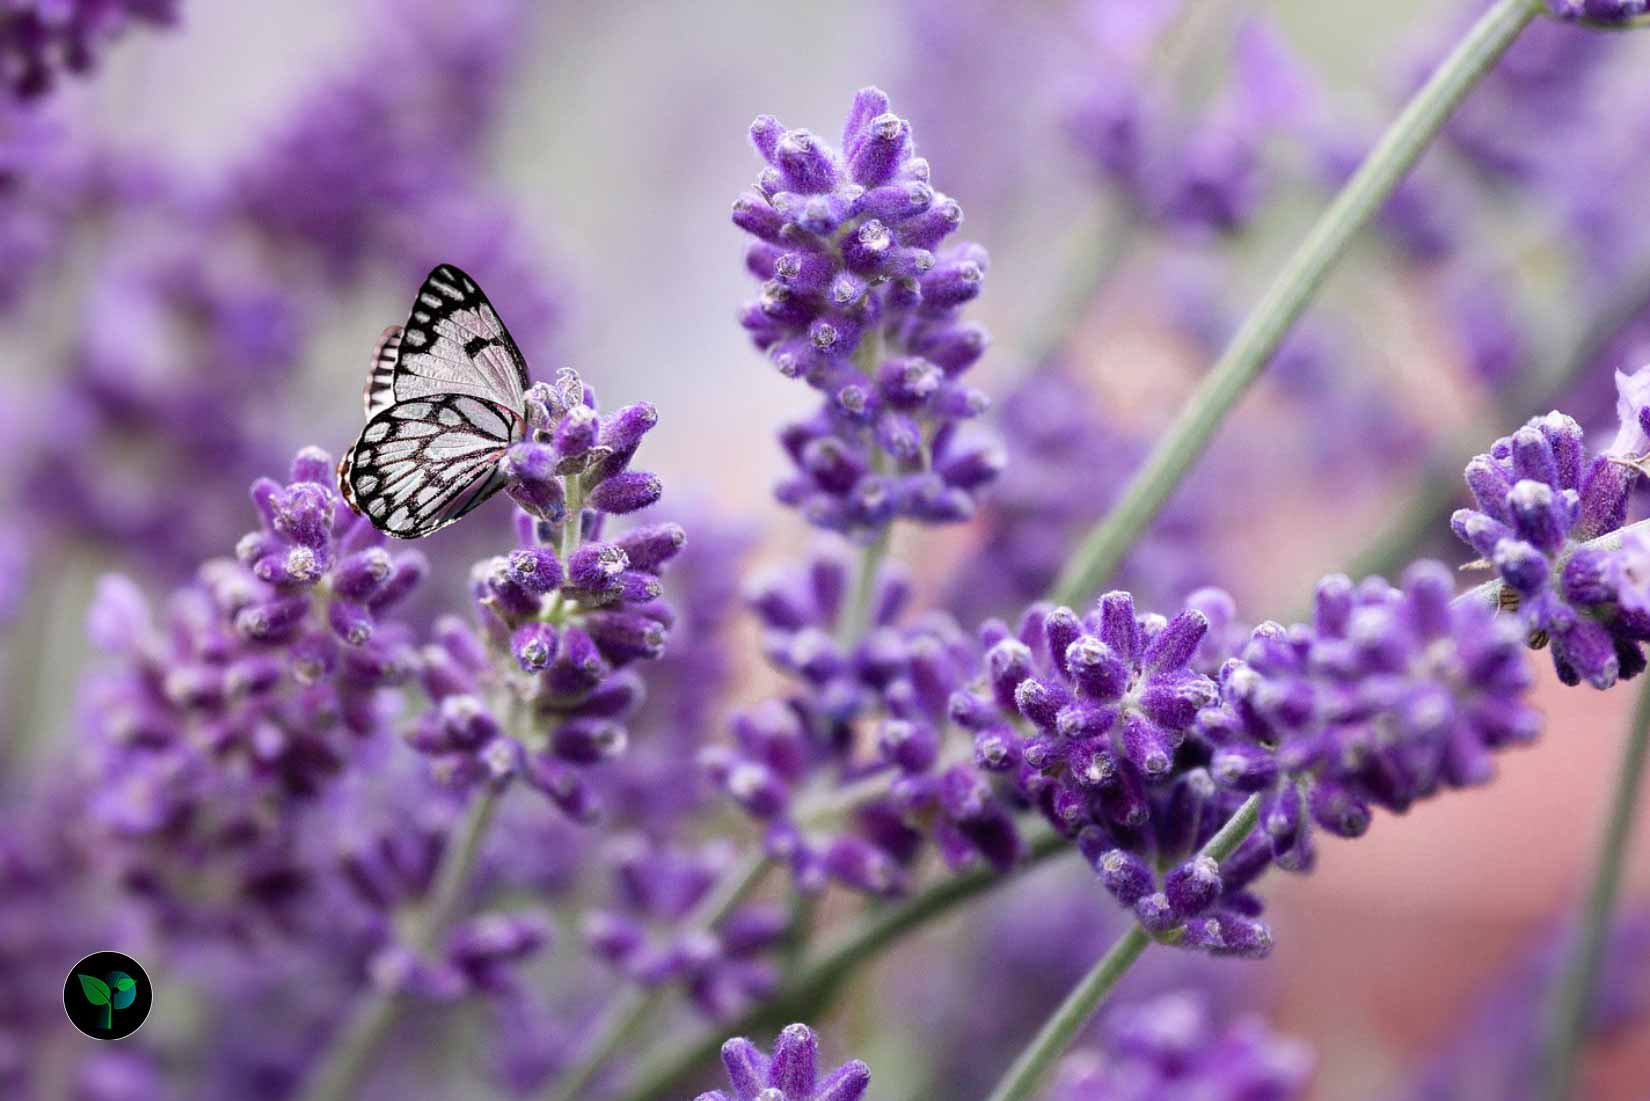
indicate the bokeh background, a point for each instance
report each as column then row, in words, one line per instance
column 154, row 360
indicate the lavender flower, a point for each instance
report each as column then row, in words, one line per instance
column 791, row 1073
column 1540, row 495
column 557, row 631
column 1388, row 697
column 898, row 676
column 38, row 37
column 258, row 686
column 857, row 301
column 1599, row 11
column 1172, row 1046
column 658, row 886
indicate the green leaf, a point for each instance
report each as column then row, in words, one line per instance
column 97, row 991
column 125, row 982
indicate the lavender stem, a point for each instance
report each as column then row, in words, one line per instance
column 1034, row 1062
column 1264, row 329
column 1573, row 1000
column 341, row 1070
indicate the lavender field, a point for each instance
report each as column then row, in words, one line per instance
column 1095, row 550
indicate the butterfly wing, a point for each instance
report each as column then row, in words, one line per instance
column 380, row 392
column 454, row 343
column 420, row 465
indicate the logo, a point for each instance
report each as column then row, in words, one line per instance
column 107, row 995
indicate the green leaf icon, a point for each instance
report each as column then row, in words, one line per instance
column 97, row 991
column 125, row 982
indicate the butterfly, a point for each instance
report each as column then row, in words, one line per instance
column 444, row 402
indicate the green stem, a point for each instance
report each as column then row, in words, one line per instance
column 1264, row 329
column 1057, row 1033
column 812, row 988
column 345, row 1065
column 1573, row 1000
column 1034, row 1062
column 572, row 528
column 856, row 618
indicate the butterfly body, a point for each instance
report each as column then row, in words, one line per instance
column 444, row 401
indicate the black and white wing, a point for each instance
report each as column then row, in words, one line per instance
column 454, row 343
column 380, row 392
column 420, row 465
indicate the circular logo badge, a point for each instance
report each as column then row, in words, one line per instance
column 107, row 995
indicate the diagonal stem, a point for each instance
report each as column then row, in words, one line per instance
column 1264, row 329
column 1034, row 1062
column 1573, row 1001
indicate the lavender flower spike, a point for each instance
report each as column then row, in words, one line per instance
column 791, row 1073
column 860, row 300
column 1540, row 495
column 1599, row 11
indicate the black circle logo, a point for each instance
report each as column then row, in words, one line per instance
column 107, row 995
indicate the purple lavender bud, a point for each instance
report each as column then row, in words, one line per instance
column 466, row 723
column 595, row 567
column 359, row 576
column 952, row 283
column 649, row 547
column 536, row 569
column 586, row 741
column 1339, row 811
column 1244, row 767
column 352, row 623
column 1587, row 648
column 626, row 492
column 1156, row 914
column 1539, row 515
column 1589, row 577
column 535, row 483
column 1119, row 628
column 806, row 163
column 577, row 668
column 534, row 646
column 913, row 746
column 623, row 430
column 857, row 864
column 794, row 1068
column 1096, row 668
column 886, row 143
column 1146, row 746
column 303, row 512
column 1007, row 664
column 624, row 637
column 273, row 620
column 312, row 464
column 1193, row 886
column 564, row 786
column 1041, row 702
column 1125, row 875
column 1176, row 643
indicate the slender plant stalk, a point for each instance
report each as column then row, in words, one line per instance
column 1573, row 999
column 632, row 1008
column 812, row 988
column 1255, row 342
column 1034, row 1062
column 339, row 1076
column 856, row 618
